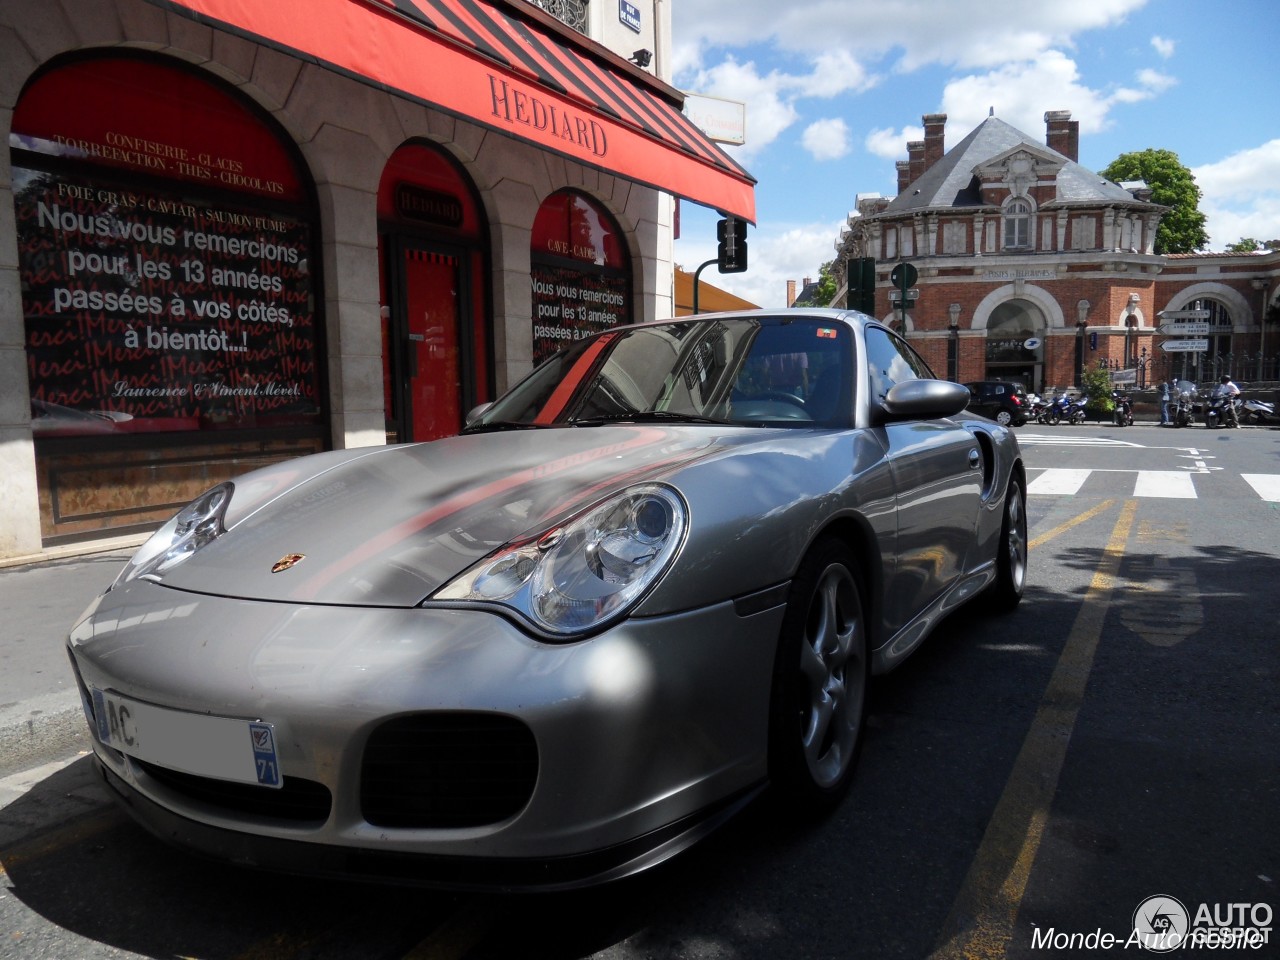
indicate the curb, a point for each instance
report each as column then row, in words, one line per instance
column 41, row 729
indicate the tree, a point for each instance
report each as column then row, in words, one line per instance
column 825, row 290
column 1181, row 230
column 1249, row 245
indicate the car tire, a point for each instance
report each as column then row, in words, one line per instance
column 1005, row 592
column 821, row 675
column 1004, row 418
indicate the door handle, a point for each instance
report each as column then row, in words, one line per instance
column 975, row 458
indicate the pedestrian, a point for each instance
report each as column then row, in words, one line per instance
column 1228, row 389
column 1165, row 397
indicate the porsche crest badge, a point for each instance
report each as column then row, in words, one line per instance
column 288, row 562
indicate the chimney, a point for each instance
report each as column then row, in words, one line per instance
column 915, row 157
column 1062, row 134
column 904, row 176
column 935, row 126
column 791, row 292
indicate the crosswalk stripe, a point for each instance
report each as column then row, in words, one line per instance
column 1164, row 483
column 1267, row 485
column 1058, row 480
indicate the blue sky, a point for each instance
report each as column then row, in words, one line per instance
column 836, row 88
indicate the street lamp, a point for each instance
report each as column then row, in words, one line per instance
column 953, row 343
column 1082, row 321
column 1263, row 285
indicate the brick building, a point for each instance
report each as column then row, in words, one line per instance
column 1029, row 266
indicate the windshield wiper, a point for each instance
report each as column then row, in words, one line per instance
column 646, row 416
column 497, row 425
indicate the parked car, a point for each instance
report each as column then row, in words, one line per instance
column 650, row 582
column 1004, row 401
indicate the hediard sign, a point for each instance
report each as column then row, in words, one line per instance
column 517, row 105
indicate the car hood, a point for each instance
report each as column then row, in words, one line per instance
column 391, row 526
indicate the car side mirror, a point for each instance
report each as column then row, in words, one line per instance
column 475, row 414
column 923, row 400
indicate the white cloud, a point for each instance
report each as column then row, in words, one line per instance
column 1163, row 46
column 961, row 33
column 892, row 144
column 786, row 252
column 826, row 139
column 771, row 98
column 1240, row 195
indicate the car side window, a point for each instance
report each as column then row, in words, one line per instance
column 890, row 362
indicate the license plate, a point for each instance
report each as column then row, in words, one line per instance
column 243, row 751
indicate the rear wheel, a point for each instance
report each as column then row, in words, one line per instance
column 820, row 681
column 1004, row 418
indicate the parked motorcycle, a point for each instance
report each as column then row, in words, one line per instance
column 1183, row 413
column 1222, row 411
column 1036, row 407
column 1258, row 411
column 1064, row 408
column 1124, row 409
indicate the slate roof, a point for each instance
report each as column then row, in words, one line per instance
column 951, row 181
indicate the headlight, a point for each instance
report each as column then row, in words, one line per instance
column 591, row 570
column 196, row 524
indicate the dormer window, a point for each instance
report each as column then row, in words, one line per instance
column 1017, row 224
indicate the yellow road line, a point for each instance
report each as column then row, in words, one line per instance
column 982, row 918
column 1074, row 521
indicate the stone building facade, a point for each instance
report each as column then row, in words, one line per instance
column 234, row 233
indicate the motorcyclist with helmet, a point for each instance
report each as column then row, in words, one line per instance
column 1226, row 388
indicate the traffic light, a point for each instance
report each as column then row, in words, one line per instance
column 731, row 235
column 862, row 285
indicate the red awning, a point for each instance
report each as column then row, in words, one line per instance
column 506, row 66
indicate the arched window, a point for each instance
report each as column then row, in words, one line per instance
column 1017, row 224
column 580, row 272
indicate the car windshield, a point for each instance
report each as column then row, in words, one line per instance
column 756, row 370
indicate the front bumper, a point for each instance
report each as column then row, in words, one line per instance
column 646, row 735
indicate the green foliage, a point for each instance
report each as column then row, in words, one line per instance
column 826, row 288
column 1244, row 245
column 1181, row 230
column 1096, row 386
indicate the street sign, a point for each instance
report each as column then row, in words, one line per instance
column 1185, row 346
column 903, row 275
column 1185, row 329
column 1184, row 314
column 912, row 294
column 1123, row 378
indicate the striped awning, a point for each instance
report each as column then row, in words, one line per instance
column 509, row 66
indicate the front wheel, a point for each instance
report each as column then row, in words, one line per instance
column 1006, row 590
column 1211, row 419
column 819, row 700
column 1055, row 417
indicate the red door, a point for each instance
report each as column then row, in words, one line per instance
column 433, row 358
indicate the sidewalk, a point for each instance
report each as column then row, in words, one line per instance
column 40, row 714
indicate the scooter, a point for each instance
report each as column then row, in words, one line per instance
column 1258, row 411
column 1184, row 393
column 1124, row 409
column 1223, row 411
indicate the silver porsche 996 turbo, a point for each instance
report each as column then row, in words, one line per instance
column 650, row 581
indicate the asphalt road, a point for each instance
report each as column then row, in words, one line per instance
column 1032, row 777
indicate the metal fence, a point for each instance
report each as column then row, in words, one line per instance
column 1243, row 367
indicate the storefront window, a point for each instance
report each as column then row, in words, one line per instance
column 579, row 271
column 165, row 256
